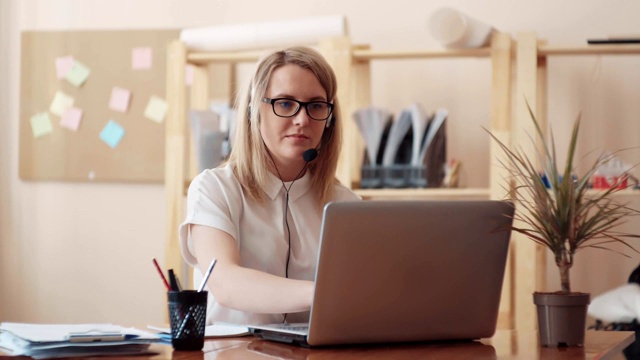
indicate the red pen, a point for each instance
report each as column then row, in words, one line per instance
column 164, row 279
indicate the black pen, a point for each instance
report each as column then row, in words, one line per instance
column 173, row 281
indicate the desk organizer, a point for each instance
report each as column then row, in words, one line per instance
column 394, row 176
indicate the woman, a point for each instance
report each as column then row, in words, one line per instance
column 260, row 213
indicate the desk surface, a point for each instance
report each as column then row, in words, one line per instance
column 505, row 344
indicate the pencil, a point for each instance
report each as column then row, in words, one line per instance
column 164, row 279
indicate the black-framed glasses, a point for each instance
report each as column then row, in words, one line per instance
column 286, row 107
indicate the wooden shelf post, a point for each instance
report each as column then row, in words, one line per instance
column 175, row 152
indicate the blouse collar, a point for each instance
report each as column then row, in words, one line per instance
column 299, row 187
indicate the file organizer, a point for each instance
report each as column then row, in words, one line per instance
column 397, row 165
column 394, row 176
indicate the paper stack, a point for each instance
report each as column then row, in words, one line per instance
column 48, row 341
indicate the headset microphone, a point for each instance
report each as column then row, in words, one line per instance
column 310, row 155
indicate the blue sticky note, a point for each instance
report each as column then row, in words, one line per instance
column 112, row 133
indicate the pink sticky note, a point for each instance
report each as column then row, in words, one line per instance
column 63, row 66
column 119, row 99
column 141, row 58
column 188, row 74
column 71, row 119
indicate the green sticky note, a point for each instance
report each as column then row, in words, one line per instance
column 156, row 109
column 78, row 74
column 41, row 124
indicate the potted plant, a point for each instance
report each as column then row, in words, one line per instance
column 564, row 216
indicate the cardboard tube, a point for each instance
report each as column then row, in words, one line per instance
column 453, row 29
column 237, row 37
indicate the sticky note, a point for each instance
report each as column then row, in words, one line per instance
column 119, row 99
column 63, row 66
column 141, row 58
column 188, row 74
column 41, row 124
column 156, row 109
column 112, row 133
column 61, row 102
column 71, row 119
column 78, row 74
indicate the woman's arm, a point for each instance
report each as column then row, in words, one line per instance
column 241, row 288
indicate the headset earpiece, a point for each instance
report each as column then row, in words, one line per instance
column 329, row 122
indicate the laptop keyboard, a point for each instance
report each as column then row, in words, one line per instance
column 292, row 327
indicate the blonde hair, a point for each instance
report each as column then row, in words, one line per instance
column 249, row 153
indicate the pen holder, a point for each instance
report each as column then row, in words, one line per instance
column 188, row 315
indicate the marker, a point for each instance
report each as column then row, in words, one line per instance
column 206, row 276
column 164, row 280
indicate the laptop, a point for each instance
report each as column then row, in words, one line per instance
column 404, row 271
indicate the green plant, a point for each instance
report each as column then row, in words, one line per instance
column 565, row 217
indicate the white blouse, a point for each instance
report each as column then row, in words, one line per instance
column 216, row 199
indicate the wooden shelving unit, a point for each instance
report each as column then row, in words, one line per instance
column 352, row 65
column 531, row 84
column 500, row 54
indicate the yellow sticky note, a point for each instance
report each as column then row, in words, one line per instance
column 78, row 74
column 61, row 103
column 41, row 124
column 156, row 109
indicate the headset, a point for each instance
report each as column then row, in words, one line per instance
column 311, row 154
column 308, row 156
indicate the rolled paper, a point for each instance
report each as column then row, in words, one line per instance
column 454, row 29
column 261, row 35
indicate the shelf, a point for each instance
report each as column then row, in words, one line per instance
column 358, row 55
column 424, row 194
column 361, row 55
column 614, row 49
column 231, row 57
column 625, row 192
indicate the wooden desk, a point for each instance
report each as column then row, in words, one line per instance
column 601, row 345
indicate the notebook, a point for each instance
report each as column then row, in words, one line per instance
column 404, row 271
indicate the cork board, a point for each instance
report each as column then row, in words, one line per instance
column 132, row 149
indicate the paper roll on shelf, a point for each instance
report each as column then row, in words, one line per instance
column 261, row 35
column 454, row 29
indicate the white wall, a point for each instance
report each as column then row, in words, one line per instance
column 81, row 252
